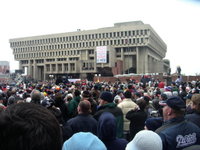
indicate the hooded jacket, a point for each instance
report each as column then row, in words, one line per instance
column 106, row 131
column 116, row 111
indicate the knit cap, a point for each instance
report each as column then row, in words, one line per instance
column 145, row 140
column 106, row 96
column 83, row 141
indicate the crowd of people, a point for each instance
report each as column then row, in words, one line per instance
column 145, row 115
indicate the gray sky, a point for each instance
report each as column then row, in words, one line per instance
column 176, row 22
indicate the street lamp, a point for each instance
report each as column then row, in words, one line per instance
column 51, row 76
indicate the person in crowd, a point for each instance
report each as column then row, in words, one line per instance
column 60, row 103
column 83, row 122
column 118, row 97
column 195, row 106
column 183, row 93
column 137, row 96
column 27, row 126
column 106, row 105
column 86, row 95
column 73, row 104
column 137, row 118
column 106, row 131
column 83, row 141
column 95, row 92
column 126, row 105
column 176, row 133
column 145, row 140
column 36, row 96
column 2, row 106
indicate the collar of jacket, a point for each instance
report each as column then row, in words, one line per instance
column 108, row 105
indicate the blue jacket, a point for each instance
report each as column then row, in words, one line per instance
column 83, row 123
column 107, row 132
column 178, row 133
column 194, row 117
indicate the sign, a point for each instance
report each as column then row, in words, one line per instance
column 101, row 54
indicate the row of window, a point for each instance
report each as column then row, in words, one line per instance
column 83, row 45
column 46, row 54
column 66, row 67
column 80, row 37
column 67, row 53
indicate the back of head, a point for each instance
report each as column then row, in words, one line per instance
column 36, row 96
column 145, row 140
column 127, row 94
column 31, row 126
column 106, row 96
column 196, row 101
column 85, row 107
column 77, row 93
column 86, row 94
column 84, row 141
column 141, row 103
column 106, row 129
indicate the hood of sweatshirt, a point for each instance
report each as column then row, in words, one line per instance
column 107, row 127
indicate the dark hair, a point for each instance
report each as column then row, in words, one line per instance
column 28, row 126
column 142, row 104
column 127, row 94
column 77, row 93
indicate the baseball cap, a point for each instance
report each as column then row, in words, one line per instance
column 174, row 102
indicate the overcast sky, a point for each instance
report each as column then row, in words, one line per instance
column 176, row 22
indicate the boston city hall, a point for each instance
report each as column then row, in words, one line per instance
column 125, row 48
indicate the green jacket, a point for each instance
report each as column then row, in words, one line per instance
column 72, row 106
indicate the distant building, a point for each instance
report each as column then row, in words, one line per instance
column 4, row 67
column 129, row 47
column 4, row 71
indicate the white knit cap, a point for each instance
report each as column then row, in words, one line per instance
column 145, row 140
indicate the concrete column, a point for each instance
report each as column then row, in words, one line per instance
column 20, row 65
column 56, row 68
column 137, row 61
column 50, row 68
column 35, row 71
column 45, row 70
column 69, row 67
column 29, row 68
column 122, row 58
column 146, row 65
column 62, row 67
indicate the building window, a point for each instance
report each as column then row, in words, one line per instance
column 122, row 34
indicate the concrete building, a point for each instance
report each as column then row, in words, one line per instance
column 129, row 47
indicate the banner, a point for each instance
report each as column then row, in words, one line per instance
column 101, row 54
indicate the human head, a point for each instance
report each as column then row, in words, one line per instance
column 173, row 107
column 86, row 94
column 195, row 102
column 141, row 103
column 145, row 140
column 27, row 126
column 36, row 96
column 106, row 97
column 153, row 123
column 127, row 94
column 83, row 140
column 84, row 107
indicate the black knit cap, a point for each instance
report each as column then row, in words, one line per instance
column 106, row 96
